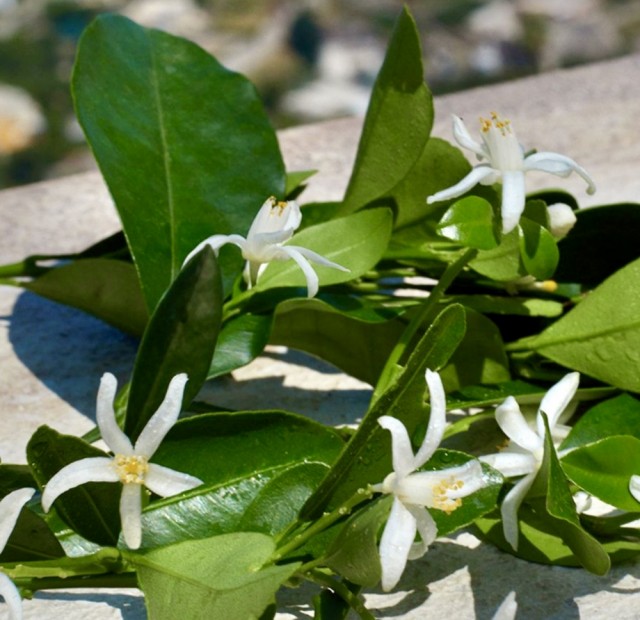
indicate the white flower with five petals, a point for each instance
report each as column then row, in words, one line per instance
column 525, row 451
column 414, row 491
column 10, row 508
column 274, row 225
column 505, row 161
column 130, row 463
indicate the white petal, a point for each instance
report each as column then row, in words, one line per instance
column 464, row 139
column 309, row 274
column 427, row 529
column 395, row 544
column 402, row 453
column 557, row 164
column 511, row 464
column 130, row 514
column 163, row 419
column 165, row 482
column 515, row 427
column 634, row 487
column 562, row 219
column 437, row 419
column 474, row 177
column 276, row 216
column 215, row 242
column 11, row 597
column 513, row 199
column 314, row 257
column 112, row 434
column 10, row 508
column 556, row 400
column 96, row 469
column 511, row 505
column 508, row 608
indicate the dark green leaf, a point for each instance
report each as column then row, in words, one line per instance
column 470, row 222
column 521, row 306
column 538, row 249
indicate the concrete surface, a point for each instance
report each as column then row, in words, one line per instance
column 52, row 356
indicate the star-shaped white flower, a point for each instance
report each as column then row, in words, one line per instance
column 525, row 451
column 10, row 508
column 130, row 463
column 412, row 491
column 274, row 225
column 506, row 161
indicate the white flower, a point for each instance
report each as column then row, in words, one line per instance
column 634, row 487
column 505, row 160
column 10, row 508
column 561, row 219
column 413, row 490
column 274, row 224
column 130, row 463
column 525, row 451
column 507, row 609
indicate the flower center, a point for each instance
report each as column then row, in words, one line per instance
column 277, row 206
column 131, row 469
column 505, row 152
column 442, row 492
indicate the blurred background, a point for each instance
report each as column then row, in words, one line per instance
column 310, row 59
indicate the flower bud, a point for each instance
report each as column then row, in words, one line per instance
column 561, row 219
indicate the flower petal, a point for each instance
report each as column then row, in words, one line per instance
column 163, row 419
column 215, row 242
column 165, row 482
column 513, row 199
column 310, row 275
column 464, row 139
column 427, row 529
column 634, row 487
column 515, row 427
column 11, row 597
column 395, row 544
column 511, row 464
column 437, row 419
column 557, row 164
column 510, row 506
column 112, row 434
column 507, row 609
column 474, row 177
column 556, row 400
column 401, row 450
column 130, row 514
column 10, row 508
column 95, row 469
column 275, row 216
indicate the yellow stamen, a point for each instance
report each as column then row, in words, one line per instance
column 503, row 125
column 441, row 500
column 131, row 469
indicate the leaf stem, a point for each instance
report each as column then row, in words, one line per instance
column 342, row 591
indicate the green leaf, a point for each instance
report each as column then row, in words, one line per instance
column 220, row 577
column 601, row 335
column 172, row 129
column 519, row 306
column 31, row 540
column 355, row 242
column 106, row 288
column 604, row 469
column 91, row 509
column 470, row 222
column 398, row 120
column 538, row 249
column 295, row 181
column 181, row 337
column 240, row 340
column 501, row 263
column 358, row 347
column 366, row 459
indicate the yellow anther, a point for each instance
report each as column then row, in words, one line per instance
column 441, row 499
column 502, row 125
column 131, row 469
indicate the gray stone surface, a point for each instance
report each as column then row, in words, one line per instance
column 52, row 356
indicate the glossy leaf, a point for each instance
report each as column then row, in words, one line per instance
column 604, row 469
column 355, row 242
column 91, row 509
column 106, row 288
column 366, row 459
column 219, row 577
column 470, row 222
column 519, row 306
column 501, row 263
column 398, row 120
column 601, row 335
column 181, row 337
column 538, row 249
column 171, row 129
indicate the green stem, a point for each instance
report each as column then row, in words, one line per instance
column 124, row 580
column 342, row 591
column 420, row 318
column 322, row 523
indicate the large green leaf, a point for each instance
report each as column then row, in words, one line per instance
column 367, row 459
column 355, row 242
column 180, row 338
column 219, row 577
column 106, row 288
column 470, row 221
column 172, row 130
column 601, row 335
column 398, row 121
